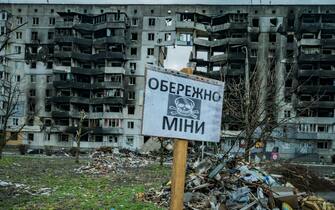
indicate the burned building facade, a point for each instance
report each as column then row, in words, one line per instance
column 92, row 58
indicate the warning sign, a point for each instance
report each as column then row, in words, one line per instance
column 183, row 106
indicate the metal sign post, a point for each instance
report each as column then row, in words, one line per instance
column 184, row 107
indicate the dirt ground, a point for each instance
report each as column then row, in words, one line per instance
column 75, row 191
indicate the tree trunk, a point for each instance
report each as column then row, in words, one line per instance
column 78, row 151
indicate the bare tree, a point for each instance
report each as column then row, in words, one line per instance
column 254, row 105
column 79, row 133
column 9, row 98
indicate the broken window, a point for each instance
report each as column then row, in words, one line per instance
column 323, row 145
column 131, row 110
column 113, row 139
column 167, row 37
column 30, row 136
column 19, row 20
column 34, row 35
column 287, row 113
column 49, row 65
column 64, row 137
column 134, row 21
column 47, row 107
column 130, row 140
column 152, row 21
column 47, row 122
column 290, row 38
column 133, row 51
column 130, row 124
column 253, row 53
column 18, row 35
column 150, row 51
column 255, row 22
column 52, row 21
column 33, row 65
column 254, row 37
column 35, row 21
column 272, row 37
column 290, row 22
column 50, row 35
column 131, row 95
column 132, row 80
column 168, row 21
column 151, row 36
column 133, row 36
column 132, row 66
column 273, row 22
column 18, row 49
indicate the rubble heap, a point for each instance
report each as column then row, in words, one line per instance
column 234, row 184
column 15, row 189
column 103, row 163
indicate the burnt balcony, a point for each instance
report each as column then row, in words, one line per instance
column 71, row 84
column 310, row 27
column 109, row 55
column 86, row 86
column 191, row 25
column 316, row 104
column 227, row 56
column 108, row 100
column 69, row 99
column 72, row 39
column 110, row 40
column 220, row 42
column 309, row 57
column 85, row 71
column 229, row 26
column 316, row 73
column 316, row 89
column 328, row 43
column 326, row 57
column 96, row 130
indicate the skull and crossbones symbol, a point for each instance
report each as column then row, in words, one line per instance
column 184, row 107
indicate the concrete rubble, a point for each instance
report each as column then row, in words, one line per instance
column 116, row 162
column 235, row 184
column 15, row 189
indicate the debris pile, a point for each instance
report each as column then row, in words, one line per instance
column 234, row 184
column 103, row 163
column 15, row 189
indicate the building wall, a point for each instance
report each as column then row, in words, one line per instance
column 198, row 32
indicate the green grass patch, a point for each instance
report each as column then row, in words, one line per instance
column 76, row 191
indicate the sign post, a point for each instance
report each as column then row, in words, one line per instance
column 184, row 107
column 179, row 168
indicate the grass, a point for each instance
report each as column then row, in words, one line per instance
column 76, row 191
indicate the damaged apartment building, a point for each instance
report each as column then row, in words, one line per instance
column 92, row 58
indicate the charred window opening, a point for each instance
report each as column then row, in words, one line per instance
column 273, row 21
column 290, row 38
column 254, row 37
column 290, row 22
column 131, row 110
column 272, row 37
column 255, row 22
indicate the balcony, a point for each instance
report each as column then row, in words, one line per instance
column 329, row 43
column 326, row 57
column 227, row 56
column 69, row 99
column 108, row 100
column 96, row 130
column 191, row 25
column 328, row 26
column 316, row 89
column 314, row 135
column 316, row 104
column 109, row 55
column 220, row 42
column 110, row 40
column 310, row 42
column 87, row 86
column 309, row 57
column 229, row 26
column 113, row 70
column 316, row 73
column 310, row 27
column 85, row 71
column 72, row 39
